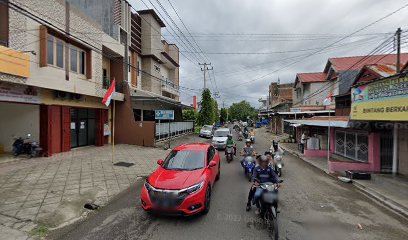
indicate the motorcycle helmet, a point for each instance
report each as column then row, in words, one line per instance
column 263, row 158
column 229, row 136
column 268, row 153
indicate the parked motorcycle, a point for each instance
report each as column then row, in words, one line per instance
column 229, row 153
column 279, row 164
column 269, row 202
column 249, row 165
column 20, row 146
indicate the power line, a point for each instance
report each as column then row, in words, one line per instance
column 323, row 48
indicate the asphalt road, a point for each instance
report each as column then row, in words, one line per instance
column 313, row 206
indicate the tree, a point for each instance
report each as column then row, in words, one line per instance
column 206, row 114
column 190, row 115
column 241, row 111
column 224, row 115
column 216, row 116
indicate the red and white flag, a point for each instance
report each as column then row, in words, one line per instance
column 109, row 94
column 327, row 101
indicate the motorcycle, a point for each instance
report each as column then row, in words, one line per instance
column 249, row 166
column 246, row 133
column 279, row 164
column 229, row 153
column 239, row 136
column 269, row 202
column 20, row 146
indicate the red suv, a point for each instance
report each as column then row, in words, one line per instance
column 183, row 182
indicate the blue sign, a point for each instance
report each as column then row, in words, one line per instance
column 164, row 114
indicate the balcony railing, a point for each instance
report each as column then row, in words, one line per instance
column 119, row 85
column 170, row 87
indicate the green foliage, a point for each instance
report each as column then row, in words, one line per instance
column 209, row 109
column 242, row 110
column 40, row 232
column 206, row 113
column 223, row 115
column 190, row 115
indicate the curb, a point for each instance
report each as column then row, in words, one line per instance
column 388, row 203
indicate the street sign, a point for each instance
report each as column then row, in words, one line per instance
column 164, row 114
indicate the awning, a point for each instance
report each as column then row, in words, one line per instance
column 320, row 123
column 156, row 101
column 306, row 112
column 295, row 125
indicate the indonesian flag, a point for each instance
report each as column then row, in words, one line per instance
column 327, row 101
column 109, row 94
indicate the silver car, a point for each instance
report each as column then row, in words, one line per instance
column 207, row 131
column 220, row 137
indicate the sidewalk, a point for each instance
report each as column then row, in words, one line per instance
column 389, row 190
column 52, row 191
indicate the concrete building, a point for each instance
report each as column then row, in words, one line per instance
column 51, row 75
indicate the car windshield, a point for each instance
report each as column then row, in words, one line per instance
column 207, row 128
column 221, row 134
column 184, row 160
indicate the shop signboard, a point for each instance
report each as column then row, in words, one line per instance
column 385, row 100
column 164, row 114
column 11, row 92
column 14, row 62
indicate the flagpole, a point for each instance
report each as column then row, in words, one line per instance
column 113, row 131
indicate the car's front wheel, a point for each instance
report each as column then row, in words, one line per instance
column 207, row 200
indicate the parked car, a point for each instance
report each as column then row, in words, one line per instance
column 207, row 131
column 183, row 182
column 220, row 137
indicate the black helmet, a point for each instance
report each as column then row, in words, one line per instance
column 263, row 158
column 268, row 153
column 248, row 141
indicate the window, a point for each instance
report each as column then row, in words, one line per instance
column 184, row 160
column 82, row 62
column 60, row 54
column 74, row 59
column 50, row 50
column 352, row 145
column 77, row 60
column 210, row 155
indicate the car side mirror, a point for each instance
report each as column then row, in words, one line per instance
column 212, row 164
column 160, row 162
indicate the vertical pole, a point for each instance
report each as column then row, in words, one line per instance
column 113, row 131
column 169, row 134
column 395, row 150
column 159, row 129
column 205, row 85
column 328, row 141
column 398, row 49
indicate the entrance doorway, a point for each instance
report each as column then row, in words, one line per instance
column 82, row 127
column 386, row 149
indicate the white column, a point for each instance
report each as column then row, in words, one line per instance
column 395, row 150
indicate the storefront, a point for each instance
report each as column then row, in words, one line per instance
column 383, row 105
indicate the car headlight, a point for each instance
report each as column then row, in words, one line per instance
column 148, row 186
column 195, row 188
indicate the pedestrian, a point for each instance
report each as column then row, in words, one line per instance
column 303, row 141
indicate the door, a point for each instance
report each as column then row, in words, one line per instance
column 83, row 127
column 386, row 149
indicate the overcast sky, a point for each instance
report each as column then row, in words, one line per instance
column 281, row 28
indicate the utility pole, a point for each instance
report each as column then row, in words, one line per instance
column 395, row 130
column 204, row 69
column 398, row 33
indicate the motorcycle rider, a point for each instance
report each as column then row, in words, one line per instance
column 252, row 133
column 231, row 142
column 262, row 173
column 248, row 150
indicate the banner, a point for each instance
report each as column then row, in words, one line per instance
column 14, row 63
column 10, row 92
column 385, row 100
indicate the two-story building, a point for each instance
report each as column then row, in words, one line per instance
column 51, row 75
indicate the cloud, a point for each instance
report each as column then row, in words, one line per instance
column 326, row 17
